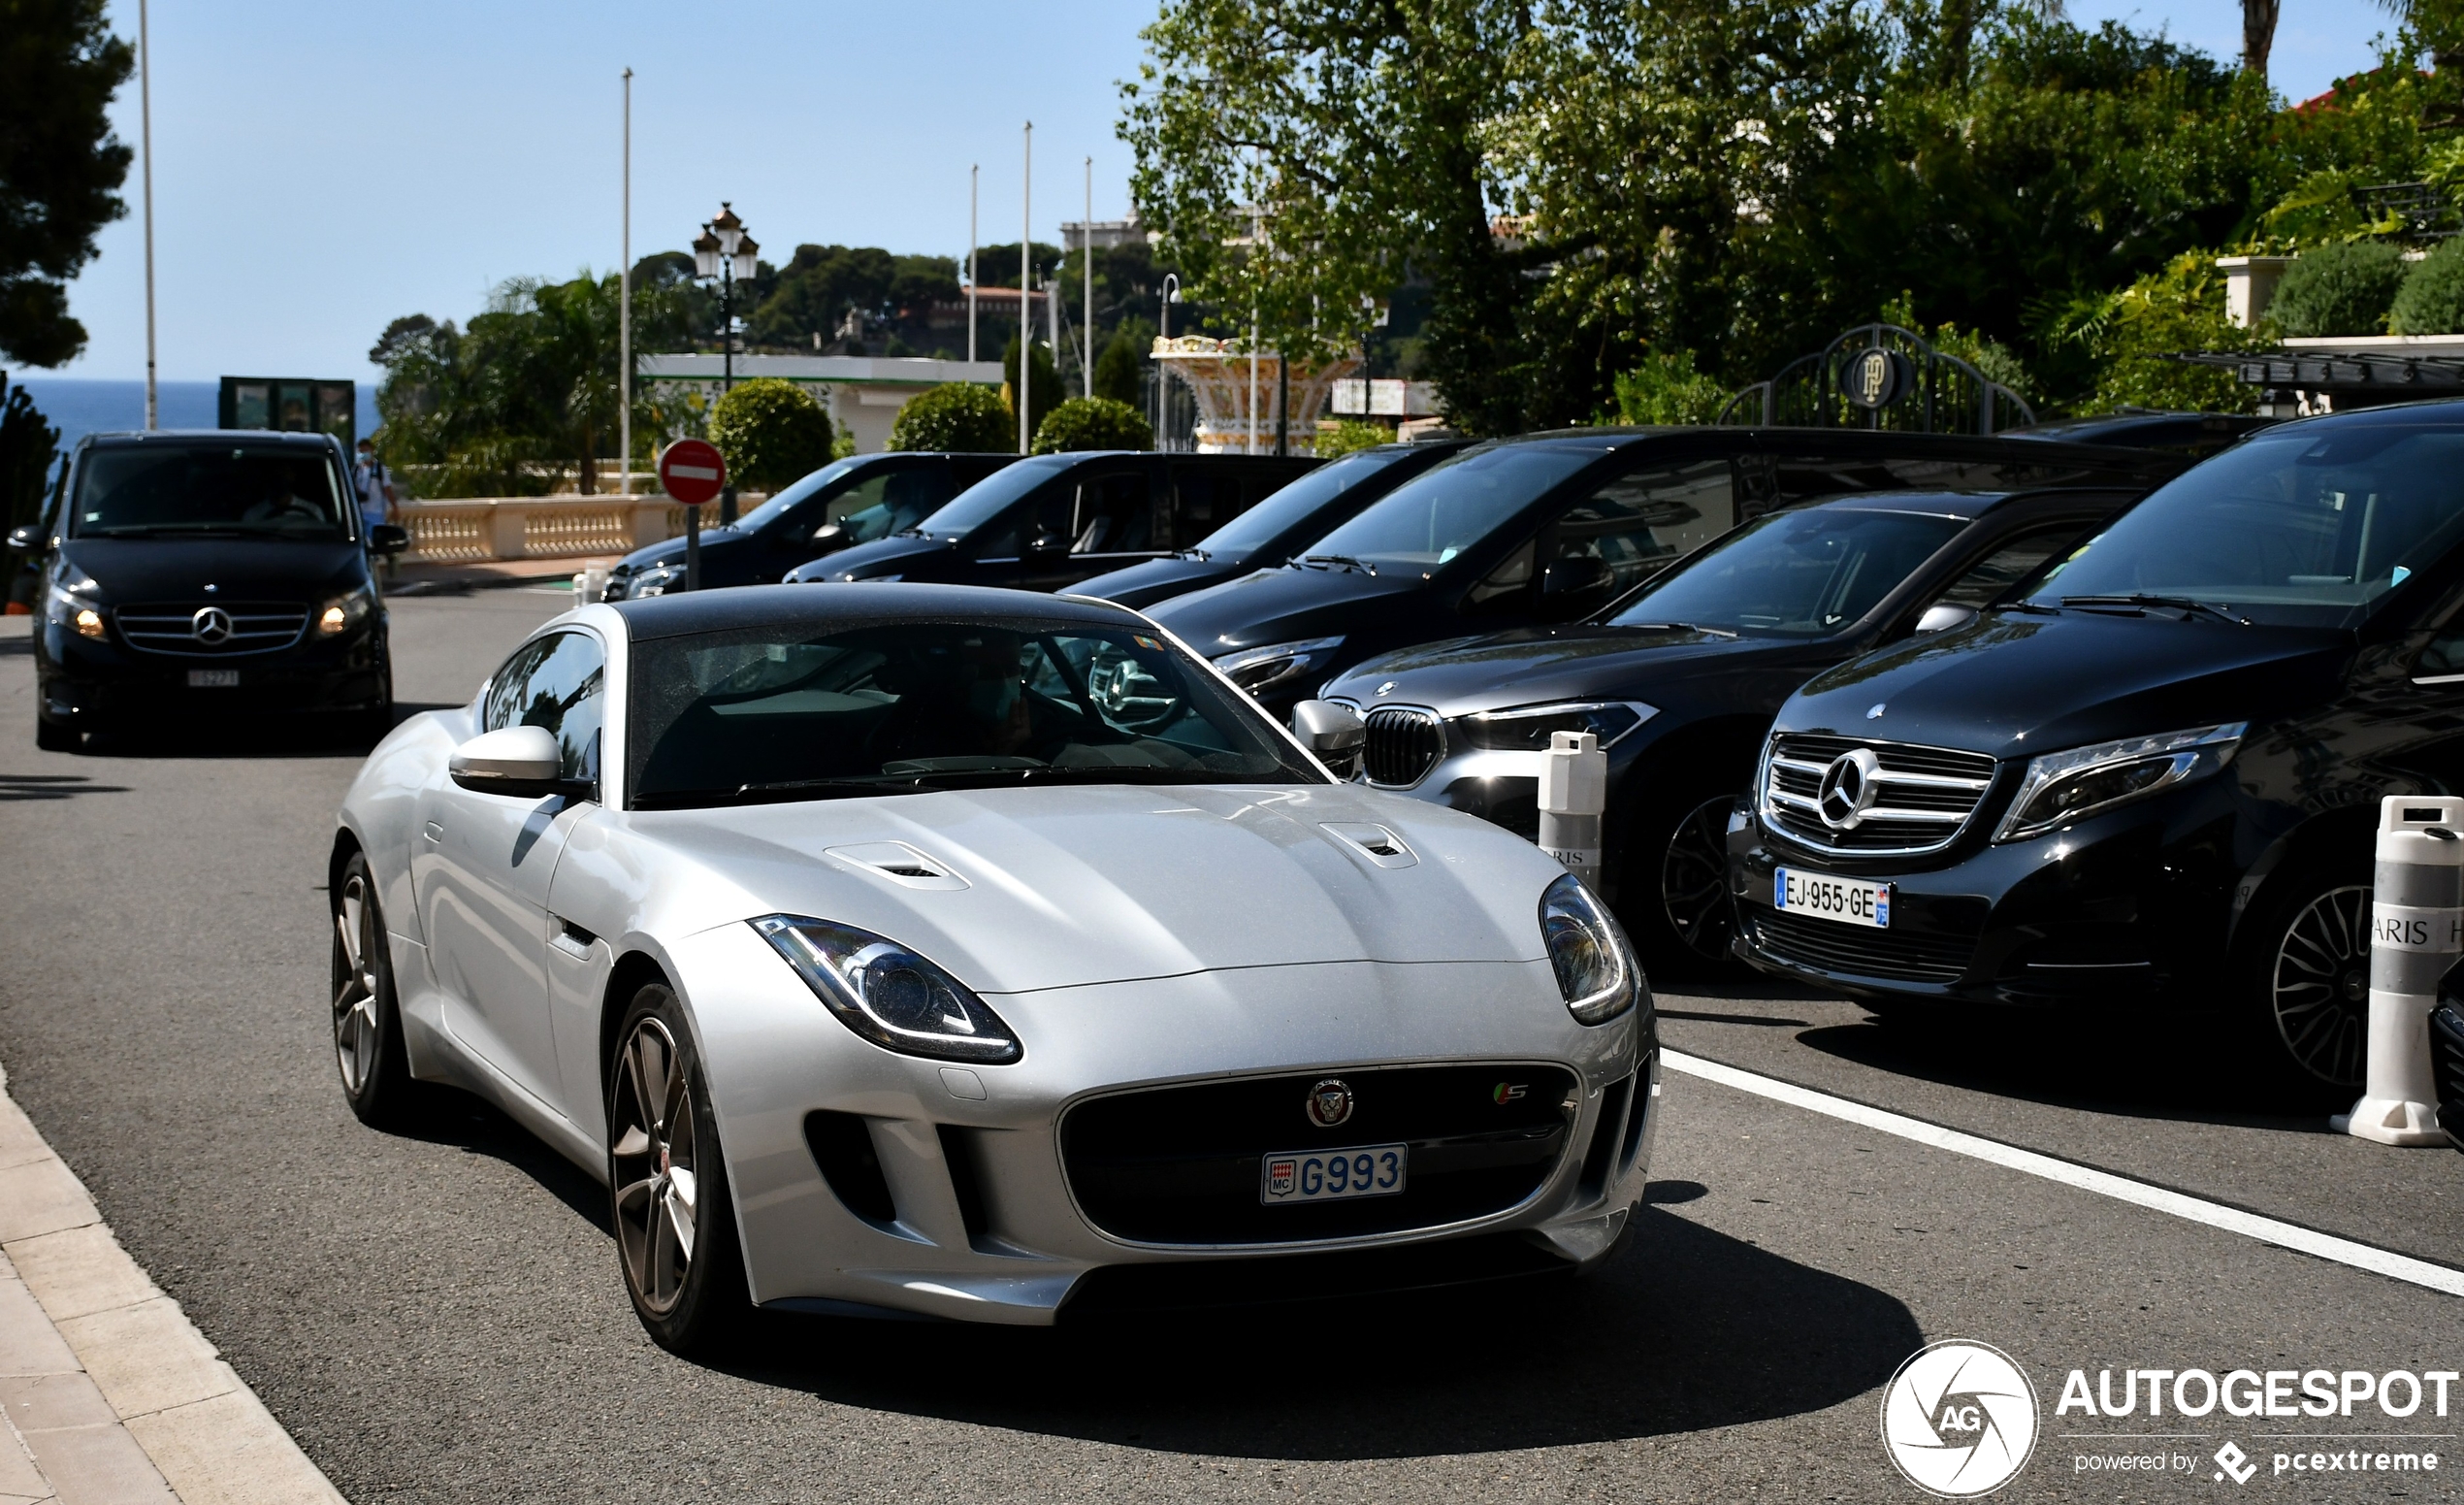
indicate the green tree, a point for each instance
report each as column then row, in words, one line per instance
column 1666, row 389
column 60, row 166
column 1044, row 389
column 959, row 416
column 1092, row 423
column 28, row 444
column 1120, row 370
column 1346, row 436
column 771, row 432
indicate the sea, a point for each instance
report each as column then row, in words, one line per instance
column 79, row 405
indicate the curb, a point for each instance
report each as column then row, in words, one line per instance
column 111, row 1392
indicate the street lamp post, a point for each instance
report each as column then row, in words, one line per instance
column 1171, row 296
column 723, row 253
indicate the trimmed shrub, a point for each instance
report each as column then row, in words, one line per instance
column 2431, row 301
column 1347, row 436
column 772, row 433
column 2344, row 289
column 1666, row 388
column 1092, row 423
column 959, row 417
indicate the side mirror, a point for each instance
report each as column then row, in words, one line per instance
column 1045, row 548
column 828, row 537
column 522, row 761
column 388, row 538
column 1334, row 732
column 1577, row 574
column 26, row 537
column 1942, row 616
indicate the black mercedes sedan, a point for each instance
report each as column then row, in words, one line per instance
column 1554, row 527
column 208, row 571
column 846, row 502
column 1275, row 529
column 1049, row 521
column 2149, row 779
column 1680, row 682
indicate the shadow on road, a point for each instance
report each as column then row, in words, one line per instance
column 52, row 786
column 305, row 736
column 1689, row 1329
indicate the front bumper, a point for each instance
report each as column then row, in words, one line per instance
column 2133, row 907
column 88, row 682
column 982, row 1221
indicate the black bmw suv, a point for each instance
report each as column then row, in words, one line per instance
column 2150, row 780
column 208, row 570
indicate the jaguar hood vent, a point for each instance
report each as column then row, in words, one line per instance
column 1374, row 842
column 899, row 862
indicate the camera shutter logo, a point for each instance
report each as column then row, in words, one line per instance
column 1958, row 1420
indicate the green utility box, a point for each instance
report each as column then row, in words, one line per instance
column 294, row 405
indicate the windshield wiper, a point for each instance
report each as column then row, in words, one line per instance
column 1676, row 627
column 2174, row 602
column 1343, row 562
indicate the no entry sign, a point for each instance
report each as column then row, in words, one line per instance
column 692, row 470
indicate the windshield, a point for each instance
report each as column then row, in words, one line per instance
column 260, row 491
column 769, row 511
column 1801, row 573
column 1429, row 519
column 1292, row 506
column 2294, row 527
column 991, row 497
column 772, row 713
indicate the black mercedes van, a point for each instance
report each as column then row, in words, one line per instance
column 206, row 570
column 2150, row 780
column 1049, row 521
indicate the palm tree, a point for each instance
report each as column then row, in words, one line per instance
column 2258, row 34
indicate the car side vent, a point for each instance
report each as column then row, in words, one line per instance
column 1374, row 842
column 899, row 862
column 842, row 1146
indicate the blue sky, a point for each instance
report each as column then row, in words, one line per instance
column 322, row 169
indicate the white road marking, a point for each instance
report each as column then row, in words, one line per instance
column 2104, row 1183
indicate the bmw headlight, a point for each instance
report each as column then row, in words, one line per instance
column 887, row 994
column 1596, row 968
column 2060, row 787
column 1259, row 669
column 1528, row 727
column 345, row 611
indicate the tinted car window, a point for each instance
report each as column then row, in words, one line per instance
column 783, row 713
column 1287, row 508
column 2290, row 527
column 2016, row 559
column 1639, row 521
column 1430, row 518
column 886, row 501
column 167, row 489
column 557, row 682
column 810, row 486
column 987, row 498
column 1797, row 574
column 1115, row 514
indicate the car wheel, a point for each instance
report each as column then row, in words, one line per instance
column 1673, row 887
column 367, row 1029
column 51, row 736
column 2305, row 981
column 675, row 1225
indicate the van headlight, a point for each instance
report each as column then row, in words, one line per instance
column 1257, row 669
column 345, row 611
column 2062, row 787
column 72, row 600
column 887, row 994
column 1596, row 968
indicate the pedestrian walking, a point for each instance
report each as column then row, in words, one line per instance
column 375, row 484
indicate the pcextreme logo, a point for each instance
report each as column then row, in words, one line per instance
column 1958, row 1420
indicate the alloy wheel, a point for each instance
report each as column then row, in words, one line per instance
column 652, row 1114
column 1693, row 880
column 357, row 1035
column 2319, row 985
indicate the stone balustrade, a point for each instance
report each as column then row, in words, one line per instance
column 477, row 530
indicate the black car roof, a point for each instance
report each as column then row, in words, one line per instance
column 822, row 606
column 215, row 435
column 1969, row 504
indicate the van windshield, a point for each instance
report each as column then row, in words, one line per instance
column 1293, row 505
column 157, row 489
column 991, row 497
column 2306, row 526
column 1428, row 520
column 776, row 508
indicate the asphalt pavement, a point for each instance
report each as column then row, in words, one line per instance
column 439, row 1317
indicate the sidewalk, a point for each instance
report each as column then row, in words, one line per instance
column 110, row 1396
column 481, row 575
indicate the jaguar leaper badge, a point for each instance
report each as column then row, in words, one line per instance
column 1329, row 1103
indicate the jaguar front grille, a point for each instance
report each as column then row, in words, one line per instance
column 1838, row 794
column 1402, row 745
column 213, row 628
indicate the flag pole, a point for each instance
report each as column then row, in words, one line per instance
column 1026, row 261
column 146, row 131
column 974, row 174
column 625, row 307
column 1087, row 254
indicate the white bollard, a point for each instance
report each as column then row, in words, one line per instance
column 1574, row 789
column 590, row 585
column 2416, row 931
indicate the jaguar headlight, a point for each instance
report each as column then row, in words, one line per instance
column 2062, row 787
column 1276, row 663
column 345, row 611
column 1528, row 727
column 887, row 994
column 1596, row 968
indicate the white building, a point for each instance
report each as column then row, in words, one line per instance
column 861, row 393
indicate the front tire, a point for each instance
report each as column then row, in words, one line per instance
column 51, row 736
column 2303, row 981
column 1672, row 888
column 675, row 1222
column 367, row 1026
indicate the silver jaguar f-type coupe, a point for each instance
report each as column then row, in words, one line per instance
column 901, row 949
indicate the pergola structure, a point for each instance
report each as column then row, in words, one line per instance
column 1238, row 395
